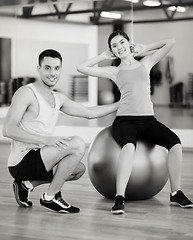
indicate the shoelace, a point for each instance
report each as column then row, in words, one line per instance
column 182, row 195
column 61, row 202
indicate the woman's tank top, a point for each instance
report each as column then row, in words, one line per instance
column 134, row 85
column 43, row 124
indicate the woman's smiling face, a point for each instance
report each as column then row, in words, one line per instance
column 120, row 46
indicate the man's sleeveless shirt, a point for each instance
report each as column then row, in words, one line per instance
column 44, row 125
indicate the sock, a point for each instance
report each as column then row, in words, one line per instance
column 28, row 185
column 48, row 197
column 173, row 193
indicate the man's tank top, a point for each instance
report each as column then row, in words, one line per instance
column 134, row 85
column 43, row 124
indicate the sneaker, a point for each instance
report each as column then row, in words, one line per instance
column 21, row 194
column 58, row 204
column 180, row 199
column 118, row 207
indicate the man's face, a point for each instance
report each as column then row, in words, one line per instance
column 50, row 70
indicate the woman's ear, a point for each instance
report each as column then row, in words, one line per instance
column 132, row 48
column 113, row 53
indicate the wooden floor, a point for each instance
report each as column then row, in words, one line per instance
column 152, row 219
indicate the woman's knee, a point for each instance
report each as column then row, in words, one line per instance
column 176, row 147
column 129, row 147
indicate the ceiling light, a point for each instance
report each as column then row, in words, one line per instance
column 133, row 1
column 178, row 8
column 151, row 3
column 181, row 9
column 166, row 2
column 110, row 15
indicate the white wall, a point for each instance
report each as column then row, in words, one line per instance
column 95, row 39
column 182, row 52
column 31, row 36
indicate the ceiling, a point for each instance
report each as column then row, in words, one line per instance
column 88, row 11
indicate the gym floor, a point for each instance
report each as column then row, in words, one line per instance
column 150, row 219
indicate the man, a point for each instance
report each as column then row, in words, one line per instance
column 38, row 157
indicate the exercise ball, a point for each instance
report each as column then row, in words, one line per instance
column 149, row 172
column 106, row 97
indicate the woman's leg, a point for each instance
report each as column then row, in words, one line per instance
column 158, row 133
column 163, row 136
column 125, row 163
column 124, row 134
column 177, row 197
column 175, row 167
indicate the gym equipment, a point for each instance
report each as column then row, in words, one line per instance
column 106, row 97
column 149, row 173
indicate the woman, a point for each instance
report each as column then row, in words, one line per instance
column 135, row 115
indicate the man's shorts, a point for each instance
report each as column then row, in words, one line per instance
column 31, row 167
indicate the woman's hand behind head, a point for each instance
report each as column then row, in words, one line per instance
column 108, row 55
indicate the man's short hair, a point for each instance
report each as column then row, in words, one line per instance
column 49, row 53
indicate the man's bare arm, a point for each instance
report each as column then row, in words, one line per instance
column 21, row 102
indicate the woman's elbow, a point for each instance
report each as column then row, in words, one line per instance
column 172, row 41
column 79, row 68
column 7, row 131
column 4, row 132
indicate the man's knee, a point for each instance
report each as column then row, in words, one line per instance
column 78, row 172
column 78, row 146
column 82, row 168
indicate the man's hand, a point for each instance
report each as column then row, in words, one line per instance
column 59, row 142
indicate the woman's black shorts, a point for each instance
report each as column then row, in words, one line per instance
column 31, row 168
column 130, row 129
